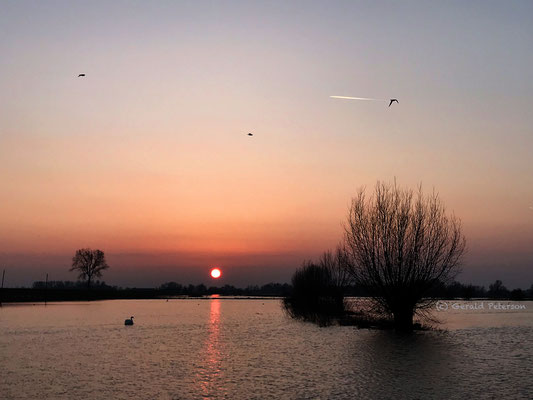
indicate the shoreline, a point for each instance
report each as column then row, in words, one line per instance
column 41, row 296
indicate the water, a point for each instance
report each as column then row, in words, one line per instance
column 248, row 349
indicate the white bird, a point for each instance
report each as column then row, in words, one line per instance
column 129, row 321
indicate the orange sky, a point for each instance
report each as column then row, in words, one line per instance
column 148, row 154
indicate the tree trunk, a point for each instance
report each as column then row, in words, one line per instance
column 403, row 320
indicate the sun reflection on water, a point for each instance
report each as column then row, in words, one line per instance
column 211, row 372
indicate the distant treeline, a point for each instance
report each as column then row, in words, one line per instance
column 270, row 289
column 496, row 290
column 74, row 291
column 79, row 285
column 457, row 290
column 453, row 290
column 176, row 289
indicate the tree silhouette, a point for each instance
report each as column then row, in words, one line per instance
column 401, row 244
column 89, row 263
column 318, row 291
column 498, row 290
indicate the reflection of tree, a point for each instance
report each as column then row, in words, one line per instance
column 211, row 371
column 407, row 366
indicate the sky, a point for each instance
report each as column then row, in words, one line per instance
column 147, row 157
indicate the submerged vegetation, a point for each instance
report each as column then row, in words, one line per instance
column 316, row 295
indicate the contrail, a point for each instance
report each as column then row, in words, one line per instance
column 355, row 98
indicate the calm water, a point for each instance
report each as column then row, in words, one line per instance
column 248, row 349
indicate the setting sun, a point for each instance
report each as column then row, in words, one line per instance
column 215, row 273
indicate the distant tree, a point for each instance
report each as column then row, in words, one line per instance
column 274, row 289
column 252, row 289
column 201, row 289
column 517, row 294
column 89, row 263
column 400, row 245
column 56, row 285
column 195, row 291
column 174, row 287
column 454, row 290
column 497, row 290
column 69, row 285
column 472, row 291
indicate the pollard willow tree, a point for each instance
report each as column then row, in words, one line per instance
column 89, row 263
column 402, row 243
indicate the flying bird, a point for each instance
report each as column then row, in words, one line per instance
column 392, row 101
column 80, row 75
column 250, row 134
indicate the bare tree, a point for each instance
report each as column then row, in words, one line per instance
column 315, row 296
column 400, row 244
column 337, row 263
column 318, row 289
column 89, row 263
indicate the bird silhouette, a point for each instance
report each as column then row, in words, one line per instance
column 80, row 75
column 250, row 134
column 129, row 321
column 392, row 101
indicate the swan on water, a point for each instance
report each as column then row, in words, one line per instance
column 129, row 321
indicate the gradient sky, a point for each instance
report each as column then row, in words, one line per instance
column 147, row 157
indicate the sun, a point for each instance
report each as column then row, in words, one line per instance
column 216, row 273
